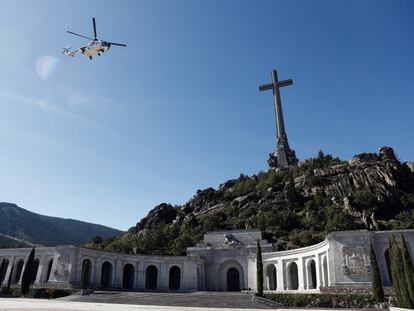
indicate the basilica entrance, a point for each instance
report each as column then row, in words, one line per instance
column 233, row 280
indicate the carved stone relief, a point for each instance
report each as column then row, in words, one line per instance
column 355, row 260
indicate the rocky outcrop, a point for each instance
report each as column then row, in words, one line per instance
column 239, row 203
column 163, row 213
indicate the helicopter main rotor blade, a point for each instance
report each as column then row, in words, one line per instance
column 76, row 34
column 94, row 28
column 118, row 44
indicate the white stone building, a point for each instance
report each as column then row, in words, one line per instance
column 225, row 261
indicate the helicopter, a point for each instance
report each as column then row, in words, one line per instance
column 92, row 48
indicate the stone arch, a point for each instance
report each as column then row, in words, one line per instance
column 174, row 279
column 106, row 275
column 271, row 277
column 86, row 263
column 128, row 276
column 48, row 271
column 151, row 277
column 325, row 271
column 35, row 271
column 18, row 269
column 388, row 265
column 293, row 276
column 227, row 278
column 311, row 273
column 3, row 269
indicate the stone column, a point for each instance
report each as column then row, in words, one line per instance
column 118, row 274
column 97, row 272
column 163, row 276
column 301, row 270
column 280, row 268
column 141, row 276
column 318, row 271
column 136, row 275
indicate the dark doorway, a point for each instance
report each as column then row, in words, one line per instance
column 18, row 273
column 3, row 270
column 106, row 275
column 151, row 277
column 293, row 281
column 233, row 280
column 128, row 276
column 174, row 282
column 312, row 275
column 34, row 271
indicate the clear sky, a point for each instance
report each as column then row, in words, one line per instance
column 178, row 109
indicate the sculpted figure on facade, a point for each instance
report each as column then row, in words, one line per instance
column 229, row 239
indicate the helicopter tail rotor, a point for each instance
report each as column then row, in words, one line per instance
column 66, row 50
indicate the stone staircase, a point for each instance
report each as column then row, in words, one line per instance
column 190, row 299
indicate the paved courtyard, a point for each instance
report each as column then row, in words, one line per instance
column 22, row 304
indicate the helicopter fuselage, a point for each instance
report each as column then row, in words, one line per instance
column 94, row 47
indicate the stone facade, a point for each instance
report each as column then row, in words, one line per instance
column 225, row 261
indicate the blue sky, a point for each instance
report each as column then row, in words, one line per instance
column 178, row 109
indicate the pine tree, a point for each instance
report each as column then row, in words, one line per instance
column 28, row 273
column 408, row 269
column 85, row 275
column 398, row 277
column 377, row 290
column 259, row 270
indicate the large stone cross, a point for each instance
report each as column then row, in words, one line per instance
column 283, row 156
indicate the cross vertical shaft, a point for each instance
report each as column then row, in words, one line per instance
column 283, row 157
column 280, row 124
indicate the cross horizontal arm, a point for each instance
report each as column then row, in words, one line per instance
column 265, row 87
column 270, row 86
column 284, row 83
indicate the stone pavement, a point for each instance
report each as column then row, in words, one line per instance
column 22, row 304
column 239, row 300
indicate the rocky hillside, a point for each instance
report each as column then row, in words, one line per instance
column 27, row 227
column 294, row 208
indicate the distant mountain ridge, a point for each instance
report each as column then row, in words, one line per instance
column 16, row 222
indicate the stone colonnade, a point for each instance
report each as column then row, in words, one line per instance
column 13, row 264
column 304, row 269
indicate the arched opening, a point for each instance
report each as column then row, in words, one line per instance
column 49, row 270
column 233, row 280
column 128, row 276
column 311, row 269
column 18, row 271
column 34, row 272
column 3, row 269
column 174, row 281
column 106, row 275
column 271, row 279
column 151, row 277
column 293, row 277
column 86, row 265
column 388, row 264
column 325, row 272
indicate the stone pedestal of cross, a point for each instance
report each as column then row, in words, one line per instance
column 283, row 156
